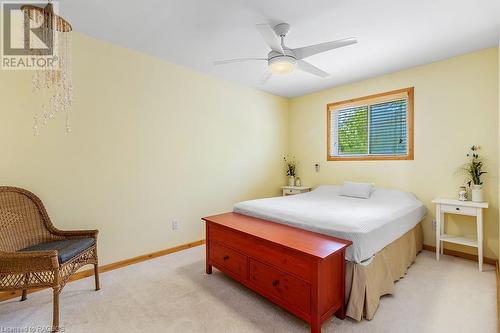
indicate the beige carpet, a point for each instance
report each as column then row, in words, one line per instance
column 172, row 294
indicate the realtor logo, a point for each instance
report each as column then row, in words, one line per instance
column 27, row 41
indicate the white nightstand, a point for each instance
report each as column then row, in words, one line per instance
column 462, row 208
column 291, row 190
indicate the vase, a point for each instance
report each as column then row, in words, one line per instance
column 477, row 193
column 298, row 183
column 462, row 194
column 291, row 181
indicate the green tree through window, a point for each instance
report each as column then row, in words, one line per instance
column 353, row 131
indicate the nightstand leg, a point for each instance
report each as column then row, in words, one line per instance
column 438, row 231
column 442, row 231
column 480, row 238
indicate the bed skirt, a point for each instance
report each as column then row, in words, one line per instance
column 366, row 284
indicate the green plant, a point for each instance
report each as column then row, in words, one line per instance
column 473, row 169
column 290, row 166
column 353, row 131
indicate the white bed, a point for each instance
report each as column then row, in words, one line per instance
column 371, row 224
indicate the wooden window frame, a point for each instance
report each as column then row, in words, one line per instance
column 371, row 99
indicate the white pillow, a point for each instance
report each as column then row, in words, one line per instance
column 356, row 190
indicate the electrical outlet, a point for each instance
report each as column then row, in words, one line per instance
column 175, row 224
column 433, row 224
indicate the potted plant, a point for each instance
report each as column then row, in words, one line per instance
column 474, row 170
column 290, row 168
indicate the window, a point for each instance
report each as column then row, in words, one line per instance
column 377, row 127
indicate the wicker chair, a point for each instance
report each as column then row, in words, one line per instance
column 35, row 254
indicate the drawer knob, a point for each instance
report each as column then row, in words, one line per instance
column 275, row 283
column 458, row 208
column 225, row 257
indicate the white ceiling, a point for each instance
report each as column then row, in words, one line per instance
column 392, row 34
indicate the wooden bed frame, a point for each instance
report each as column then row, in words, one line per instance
column 301, row 271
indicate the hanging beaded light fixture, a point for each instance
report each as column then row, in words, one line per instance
column 54, row 83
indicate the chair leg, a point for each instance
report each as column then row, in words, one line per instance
column 25, row 291
column 55, row 313
column 23, row 296
column 96, row 276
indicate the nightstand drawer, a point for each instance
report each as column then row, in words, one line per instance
column 472, row 211
column 291, row 191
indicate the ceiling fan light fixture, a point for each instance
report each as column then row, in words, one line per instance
column 282, row 65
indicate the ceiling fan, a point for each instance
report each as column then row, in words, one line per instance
column 283, row 60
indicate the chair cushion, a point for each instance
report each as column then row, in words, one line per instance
column 66, row 249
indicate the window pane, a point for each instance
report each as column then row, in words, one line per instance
column 388, row 128
column 353, row 131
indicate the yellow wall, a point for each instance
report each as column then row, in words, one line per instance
column 456, row 106
column 151, row 141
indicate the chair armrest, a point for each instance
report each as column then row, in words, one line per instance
column 76, row 233
column 22, row 262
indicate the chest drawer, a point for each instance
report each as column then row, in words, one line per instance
column 291, row 262
column 284, row 286
column 229, row 259
column 459, row 210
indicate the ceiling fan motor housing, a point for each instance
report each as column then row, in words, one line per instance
column 282, row 29
column 275, row 54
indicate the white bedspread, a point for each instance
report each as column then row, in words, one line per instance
column 371, row 224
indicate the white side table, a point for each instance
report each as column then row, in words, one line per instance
column 291, row 190
column 468, row 208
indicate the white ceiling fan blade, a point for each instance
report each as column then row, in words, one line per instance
column 270, row 37
column 307, row 51
column 230, row 61
column 307, row 67
column 267, row 75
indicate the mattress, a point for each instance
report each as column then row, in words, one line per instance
column 371, row 224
